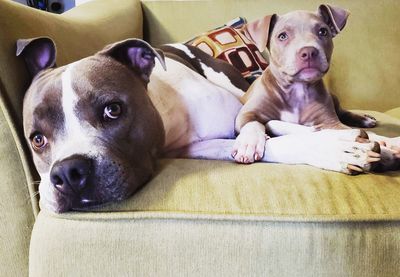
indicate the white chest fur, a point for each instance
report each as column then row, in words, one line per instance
column 296, row 98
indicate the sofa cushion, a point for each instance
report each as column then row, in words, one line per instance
column 231, row 44
column 218, row 218
column 394, row 112
column 16, row 216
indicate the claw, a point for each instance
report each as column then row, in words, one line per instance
column 376, row 148
column 373, row 160
column 354, row 170
column 373, row 154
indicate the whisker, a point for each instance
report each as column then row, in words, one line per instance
column 30, row 197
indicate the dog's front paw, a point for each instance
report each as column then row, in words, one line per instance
column 347, row 151
column 250, row 144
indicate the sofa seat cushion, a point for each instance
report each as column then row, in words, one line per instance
column 217, row 218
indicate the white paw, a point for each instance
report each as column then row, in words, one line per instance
column 250, row 143
column 338, row 150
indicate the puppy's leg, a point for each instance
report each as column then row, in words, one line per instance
column 352, row 119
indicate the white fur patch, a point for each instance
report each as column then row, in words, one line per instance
column 218, row 78
column 78, row 137
column 183, row 48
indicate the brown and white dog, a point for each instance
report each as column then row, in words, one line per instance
column 97, row 126
column 291, row 89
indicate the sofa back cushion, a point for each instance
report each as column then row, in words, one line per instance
column 365, row 62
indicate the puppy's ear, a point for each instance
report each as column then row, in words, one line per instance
column 136, row 54
column 335, row 17
column 260, row 30
column 38, row 53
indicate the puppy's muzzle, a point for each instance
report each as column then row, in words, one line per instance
column 71, row 175
column 307, row 54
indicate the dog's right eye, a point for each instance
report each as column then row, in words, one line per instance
column 38, row 141
column 283, row 36
column 112, row 111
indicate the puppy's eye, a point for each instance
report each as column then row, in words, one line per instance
column 38, row 142
column 323, row 32
column 112, row 111
column 283, row 36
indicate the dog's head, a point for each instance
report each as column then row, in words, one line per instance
column 300, row 42
column 93, row 130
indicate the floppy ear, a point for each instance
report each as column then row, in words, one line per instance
column 335, row 17
column 38, row 53
column 136, row 54
column 260, row 30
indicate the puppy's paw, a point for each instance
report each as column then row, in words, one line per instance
column 368, row 121
column 249, row 145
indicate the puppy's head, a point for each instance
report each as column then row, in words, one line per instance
column 300, row 42
column 92, row 129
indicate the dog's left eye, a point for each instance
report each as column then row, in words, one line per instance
column 112, row 111
column 323, row 32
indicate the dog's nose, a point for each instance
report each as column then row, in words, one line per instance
column 308, row 53
column 70, row 176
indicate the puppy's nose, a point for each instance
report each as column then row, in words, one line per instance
column 70, row 176
column 308, row 53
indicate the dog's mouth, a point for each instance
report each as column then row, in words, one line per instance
column 85, row 204
column 311, row 72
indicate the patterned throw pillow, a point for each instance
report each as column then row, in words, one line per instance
column 230, row 43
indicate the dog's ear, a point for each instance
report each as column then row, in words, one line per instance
column 38, row 53
column 335, row 17
column 137, row 54
column 260, row 30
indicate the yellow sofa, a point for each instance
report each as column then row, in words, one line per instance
column 198, row 218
